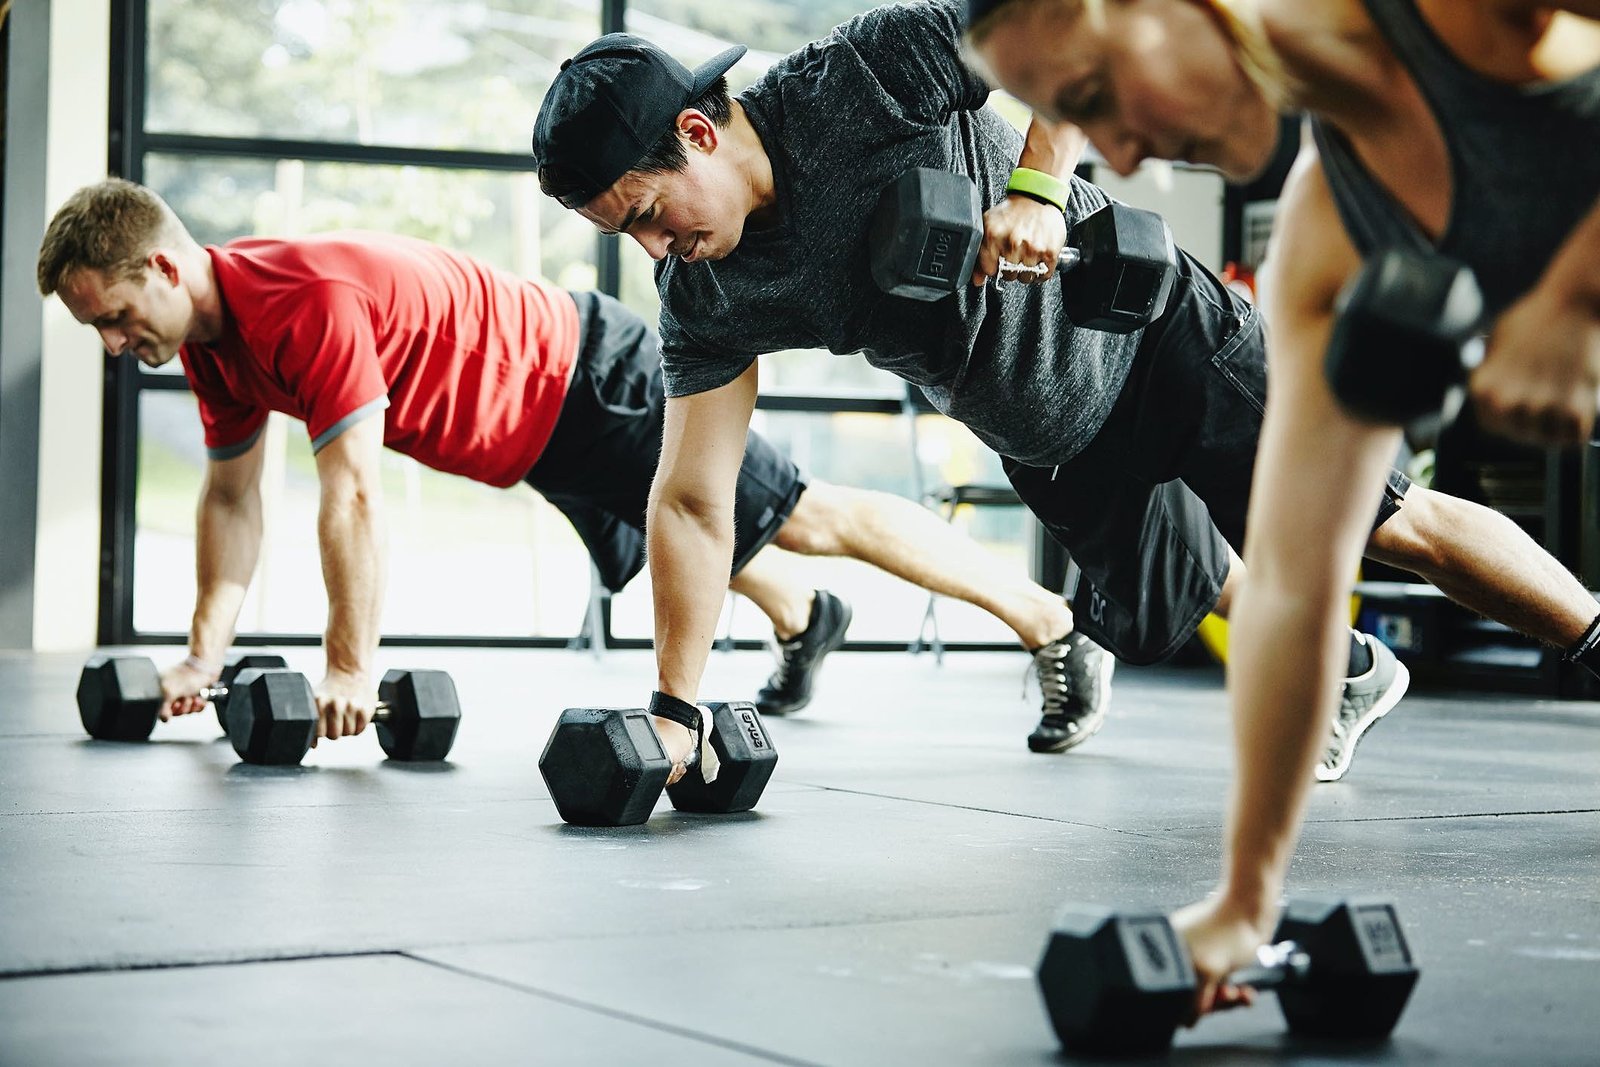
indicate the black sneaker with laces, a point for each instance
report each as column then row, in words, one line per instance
column 1075, row 678
column 789, row 688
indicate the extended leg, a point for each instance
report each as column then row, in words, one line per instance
column 1487, row 563
column 910, row 542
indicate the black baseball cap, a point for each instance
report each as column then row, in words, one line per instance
column 610, row 104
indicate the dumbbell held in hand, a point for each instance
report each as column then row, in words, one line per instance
column 1405, row 332
column 120, row 697
column 607, row 766
column 1120, row 985
column 272, row 716
column 927, row 229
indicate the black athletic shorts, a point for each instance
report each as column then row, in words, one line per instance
column 1149, row 508
column 602, row 454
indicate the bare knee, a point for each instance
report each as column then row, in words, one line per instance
column 1413, row 538
column 816, row 526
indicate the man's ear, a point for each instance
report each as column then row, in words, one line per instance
column 699, row 131
column 164, row 265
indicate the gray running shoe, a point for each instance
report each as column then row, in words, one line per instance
column 1075, row 678
column 1367, row 698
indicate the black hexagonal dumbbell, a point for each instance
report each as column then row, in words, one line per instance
column 1405, row 331
column 927, row 227
column 240, row 661
column 607, row 767
column 272, row 715
column 1120, row 985
column 119, row 697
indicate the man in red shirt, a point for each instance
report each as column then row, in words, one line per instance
column 477, row 372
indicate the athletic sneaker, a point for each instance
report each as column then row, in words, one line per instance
column 1367, row 698
column 789, row 688
column 1075, row 677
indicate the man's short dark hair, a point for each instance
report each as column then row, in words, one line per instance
column 666, row 156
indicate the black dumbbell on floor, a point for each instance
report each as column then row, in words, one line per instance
column 119, row 697
column 926, row 230
column 1405, row 332
column 607, row 766
column 272, row 716
column 1120, row 985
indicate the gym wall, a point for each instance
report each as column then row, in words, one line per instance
column 56, row 95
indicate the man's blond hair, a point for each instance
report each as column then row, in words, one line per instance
column 110, row 226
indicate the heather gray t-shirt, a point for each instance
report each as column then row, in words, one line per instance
column 840, row 119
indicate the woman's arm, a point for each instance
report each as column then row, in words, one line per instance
column 1318, row 479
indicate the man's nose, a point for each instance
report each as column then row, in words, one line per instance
column 657, row 244
column 114, row 340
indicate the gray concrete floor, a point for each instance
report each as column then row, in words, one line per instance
column 886, row 903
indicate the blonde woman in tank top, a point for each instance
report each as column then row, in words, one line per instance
column 1467, row 126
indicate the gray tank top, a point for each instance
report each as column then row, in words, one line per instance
column 1524, row 163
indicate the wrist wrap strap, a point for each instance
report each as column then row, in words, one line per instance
column 1587, row 650
column 1037, row 185
column 679, row 711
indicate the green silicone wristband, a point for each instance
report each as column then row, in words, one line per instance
column 1037, row 185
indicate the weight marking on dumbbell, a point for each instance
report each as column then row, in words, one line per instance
column 1383, row 935
column 936, row 253
column 752, row 729
column 1153, row 949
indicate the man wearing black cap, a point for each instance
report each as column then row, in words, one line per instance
column 1134, row 450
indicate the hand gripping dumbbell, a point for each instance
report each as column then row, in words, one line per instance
column 1120, row 985
column 926, row 230
column 120, row 698
column 272, row 716
column 1405, row 331
column 607, row 766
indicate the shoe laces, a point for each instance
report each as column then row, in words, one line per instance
column 787, row 653
column 1342, row 717
column 1049, row 666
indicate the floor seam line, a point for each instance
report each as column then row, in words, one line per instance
column 613, row 1013
column 181, row 965
column 986, row 811
column 1407, row 818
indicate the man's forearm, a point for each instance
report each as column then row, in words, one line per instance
column 351, row 533
column 227, row 546
column 689, row 559
column 1052, row 149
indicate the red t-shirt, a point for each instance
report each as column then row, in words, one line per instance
column 471, row 362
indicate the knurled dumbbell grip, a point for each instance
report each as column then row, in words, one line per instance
column 1275, row 965
column 1070, row 257
column 209, row 693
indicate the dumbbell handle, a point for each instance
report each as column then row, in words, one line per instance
column 1275, row 965
column 1070, row 257
column 210, row 693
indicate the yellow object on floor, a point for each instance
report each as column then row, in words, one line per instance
column 1213, row 629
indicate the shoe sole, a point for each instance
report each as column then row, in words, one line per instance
column 1103, row 688
column 816, row 665
column 1385, row 704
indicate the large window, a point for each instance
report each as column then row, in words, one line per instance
column 288, row 117
column 468, row 74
